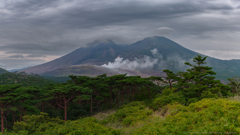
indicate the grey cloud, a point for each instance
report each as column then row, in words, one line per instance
column 75, row 17
column 125, row 13
column 57, row 27
column 16, row 56
column 19, row 63
column 121, row 12
column 165, row 31
column 2, row 65
column 36, row 55
column 36, row 50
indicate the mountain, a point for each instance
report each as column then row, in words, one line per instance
column 3, row 70
column 170, row 55
column 93, row 71
column 164, row 46
column 101, row 53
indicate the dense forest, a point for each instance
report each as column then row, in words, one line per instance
column 190, row 102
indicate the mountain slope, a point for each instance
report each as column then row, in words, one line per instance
column 3, row 70
column 170, row 55
column 164, row 46
column 103, row 52
column 93, row 71
column 100, row 54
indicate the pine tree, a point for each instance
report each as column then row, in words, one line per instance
column 6, row 98
column 171, row 77
column 115, row 87
column 25, row 99
column 200, row 79
column 63, row 93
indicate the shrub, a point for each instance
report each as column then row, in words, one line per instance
column 43, row 125
column 130, row 114
column 83, row 126
column 167, row 97
column 35, row 123
column 208, row 116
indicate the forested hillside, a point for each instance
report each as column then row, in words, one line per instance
column 23, row 79
column 190, row 102
column 2, row 71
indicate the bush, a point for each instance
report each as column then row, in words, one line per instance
column 167, row 97
column 208, row 116
column 85, row 126
column 43, row 125
column 35, row 123
column 130, row 114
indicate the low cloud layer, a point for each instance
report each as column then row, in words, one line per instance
column 36, row 55
column 13, row 63
column 56, row 27
column 16, row 56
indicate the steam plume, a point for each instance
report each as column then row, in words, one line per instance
column 145, row 63
column 172, row 61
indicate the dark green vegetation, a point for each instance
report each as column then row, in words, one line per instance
column 60, row 79
column 29, row 79
column 24, row 79
column 190, row 102
column 99, row 53
column 2, row 71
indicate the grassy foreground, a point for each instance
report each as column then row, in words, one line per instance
column 207, row 116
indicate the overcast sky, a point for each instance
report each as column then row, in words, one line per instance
column 36, row 31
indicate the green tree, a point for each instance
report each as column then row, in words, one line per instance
column 63, row 93
column 200, row 80
column 171, row 77
column 115, row 87
column 25, row 99
column 134, row 82
column 6, row 98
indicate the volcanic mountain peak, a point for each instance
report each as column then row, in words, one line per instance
column 161, row 41
column 101, row 52
column 156, row 38
column 170, row 56
column 101, row 42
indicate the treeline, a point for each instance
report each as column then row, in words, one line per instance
column 82, row 95
column 24, row 79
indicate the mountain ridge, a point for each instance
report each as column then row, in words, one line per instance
column 173, row 56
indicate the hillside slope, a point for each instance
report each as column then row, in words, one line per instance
column 96, row 55
column 3, row 70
